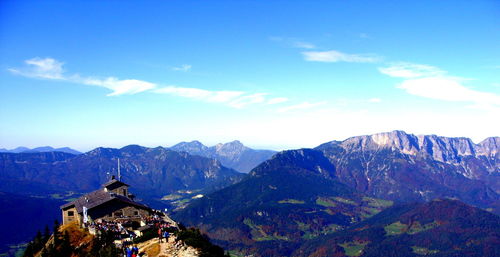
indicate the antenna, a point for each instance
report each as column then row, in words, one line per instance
column 119, row 174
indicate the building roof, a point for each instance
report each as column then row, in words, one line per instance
column 99, row 197
column 115, row 183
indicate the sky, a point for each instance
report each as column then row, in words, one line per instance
column 272, row 74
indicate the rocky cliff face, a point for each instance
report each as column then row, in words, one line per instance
column 402, row 166
column 444, row 149
column 233, row 154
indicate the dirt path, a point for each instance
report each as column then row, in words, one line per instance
column 153, row 248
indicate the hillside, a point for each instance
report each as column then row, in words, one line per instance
column 22, row 216
column 280, row 204
column 437, row 228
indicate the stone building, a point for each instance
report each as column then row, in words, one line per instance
column 110, row 203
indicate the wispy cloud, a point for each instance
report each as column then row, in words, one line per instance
column 277, row 100
column 411, row 70
column 305, row 45
column 301, row 106
column 201, row 94
column 293, row 42
column 235, row 99
column 434, row 83
column 336, row 56
column 51, row 69
column 46, row 68
column 248, row 100
column 184, row 68
column 119, row 87
column 449, row 89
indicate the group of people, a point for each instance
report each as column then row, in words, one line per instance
column 131, row 251
column 162, row 227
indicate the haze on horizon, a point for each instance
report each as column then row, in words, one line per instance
column 274, row 74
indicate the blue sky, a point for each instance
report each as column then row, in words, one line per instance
column 272, row 74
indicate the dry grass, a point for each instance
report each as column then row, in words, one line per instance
column 153, row 250
column 77, row 236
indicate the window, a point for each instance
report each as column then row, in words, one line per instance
column 136, row 213
column 124, row 191
column 71, row 213
column 118, row 214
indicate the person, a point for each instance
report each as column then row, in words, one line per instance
column 135, row 251
column 166, row 235
column 160, row 234
column 129, row 251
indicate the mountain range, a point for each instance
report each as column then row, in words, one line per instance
column 42, row 149
column 299, row 196
column 151, row 172
column 232, row 155
column 393, row 193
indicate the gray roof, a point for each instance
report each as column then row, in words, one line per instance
column 114, row 181
column 99, row 197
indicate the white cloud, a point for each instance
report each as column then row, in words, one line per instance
column 248, row 100
column 52, row 69
column 411, row 70
column 277, row 100
column 434, row 83
column 201, row 94
column 46, row 68
column 184, row 67
column 336, row 56
column 293, row 42
column 301, row 106
column 374, row 100
column 119, row 87
column 448, row 89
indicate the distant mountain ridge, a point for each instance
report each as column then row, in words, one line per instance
column 41, row 149
column 154, row 172
column 233, row 154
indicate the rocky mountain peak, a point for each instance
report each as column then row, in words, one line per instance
column 445, row 149
column 231, row 147
column 489, row 146
column 194, row 147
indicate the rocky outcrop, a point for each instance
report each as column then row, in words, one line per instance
column 444, row 149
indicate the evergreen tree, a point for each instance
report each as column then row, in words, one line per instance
column 28, row 252
column 57, row 234
column 65, row 248
column 46, row 234
column 38, row 242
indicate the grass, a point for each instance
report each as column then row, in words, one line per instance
column 292, row 201
column 354, row 248
column 417, row 228
column 395, row 228
column 171, row 197
column 259, row 235
column 377, row 202
column 423, row 251
column 325, row 202
column 369, row 211
column 345, row 200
